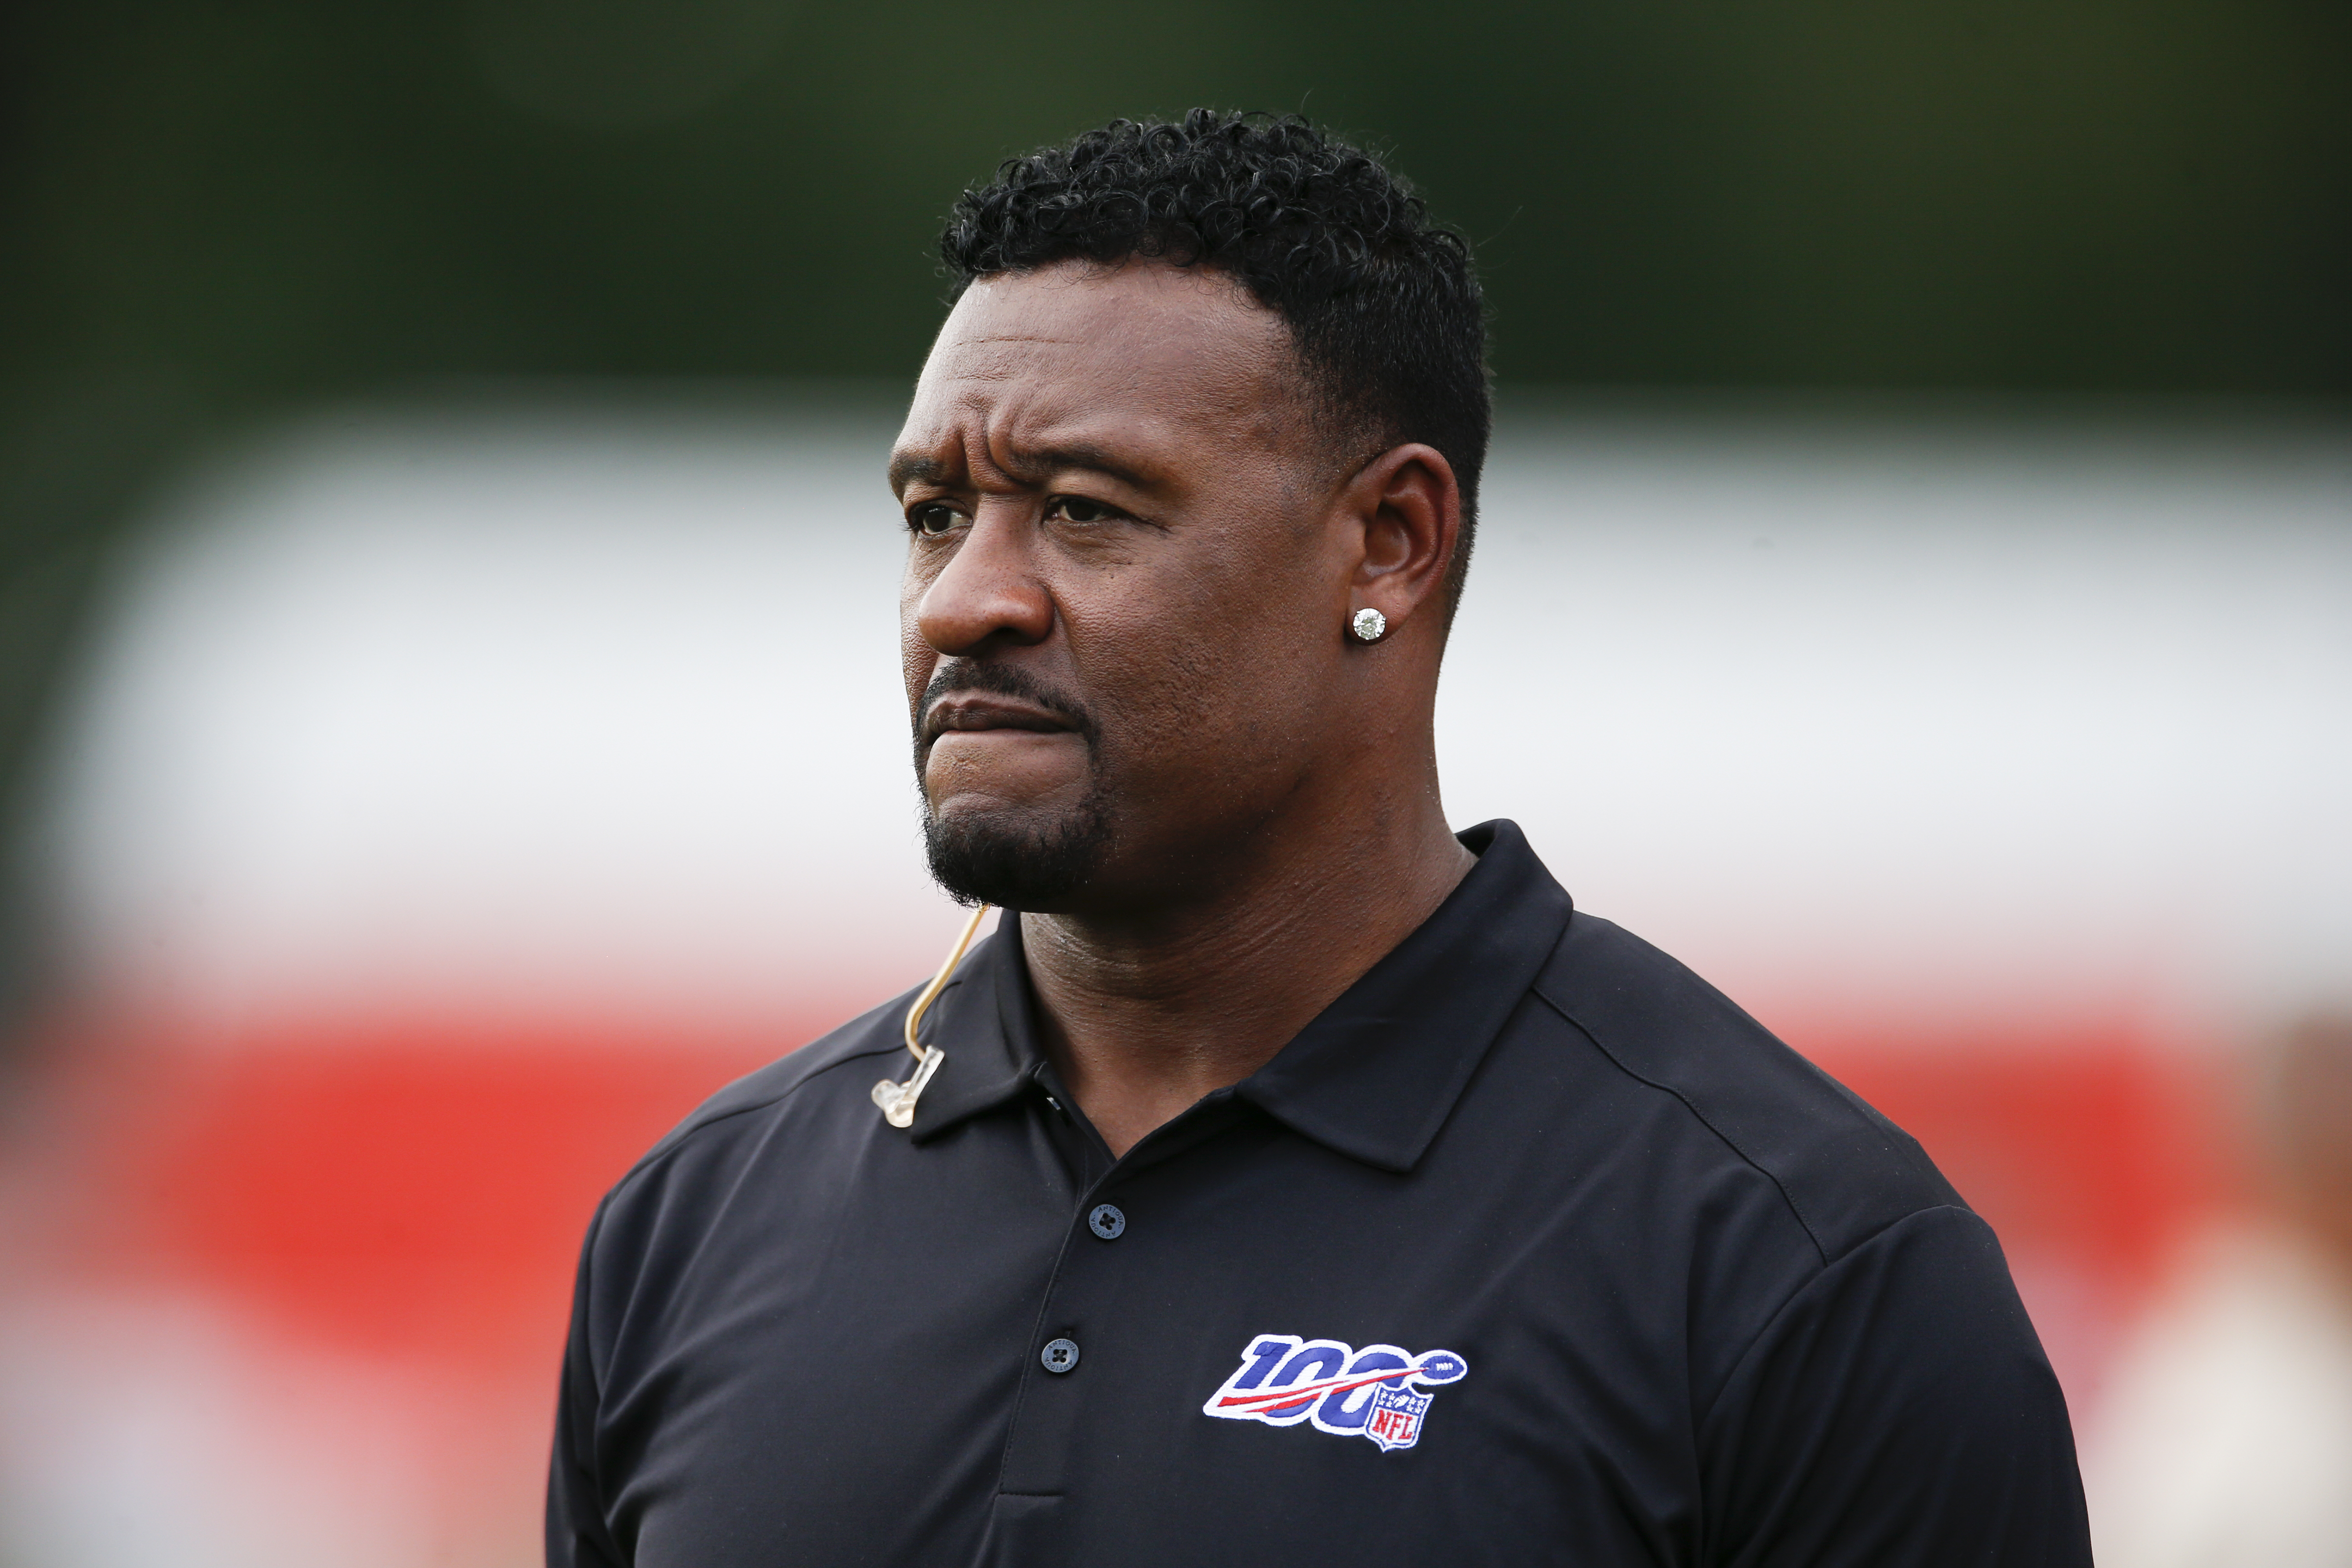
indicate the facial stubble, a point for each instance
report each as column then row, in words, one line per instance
column 1034, row 858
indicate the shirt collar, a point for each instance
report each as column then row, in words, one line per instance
column 986, row 1022
column 1373, row 1077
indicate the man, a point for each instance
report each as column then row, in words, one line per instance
column 1289, row 1179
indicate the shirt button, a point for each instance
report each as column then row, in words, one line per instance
column 1060, row 1355
column 1106, row 1221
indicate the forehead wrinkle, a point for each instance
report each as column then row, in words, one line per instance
column 1036, row 463
column 1028, row 443
column 1029, row 433
column 1015, row 402
column 949, row 445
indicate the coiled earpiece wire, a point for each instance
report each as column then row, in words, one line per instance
column 898, row 1100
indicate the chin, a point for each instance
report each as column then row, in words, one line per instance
column 1019, row 861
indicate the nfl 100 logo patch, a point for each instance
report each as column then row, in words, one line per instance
column 1379, row 1393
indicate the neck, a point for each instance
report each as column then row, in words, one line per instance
column 1147, row 1009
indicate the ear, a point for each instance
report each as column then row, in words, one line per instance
column 1407, row 508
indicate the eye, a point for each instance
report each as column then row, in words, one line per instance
column 1078, row 508
column 933, row 521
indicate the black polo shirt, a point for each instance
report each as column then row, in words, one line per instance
column 1532, row 1248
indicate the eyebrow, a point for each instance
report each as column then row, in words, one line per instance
column 914, row 468
column 1083, row 455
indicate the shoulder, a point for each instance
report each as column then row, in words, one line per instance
column 1845, row 1170
column 745, row 1105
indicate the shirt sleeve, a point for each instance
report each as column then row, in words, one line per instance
column 577, row 1535
column 1897, row 1412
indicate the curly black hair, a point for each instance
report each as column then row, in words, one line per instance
column 1383, row 304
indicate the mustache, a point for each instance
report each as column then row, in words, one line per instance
column 1001, row 680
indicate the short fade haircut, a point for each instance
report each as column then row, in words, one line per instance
column 1382, row 305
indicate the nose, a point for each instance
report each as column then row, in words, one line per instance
column 988, row 588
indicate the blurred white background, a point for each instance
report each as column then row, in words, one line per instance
column 605, row 706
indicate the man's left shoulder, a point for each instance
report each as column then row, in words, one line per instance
column 1846, row 1170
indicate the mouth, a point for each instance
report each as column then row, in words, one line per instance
column 971, row 712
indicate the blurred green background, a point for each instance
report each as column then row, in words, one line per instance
column 217, row 210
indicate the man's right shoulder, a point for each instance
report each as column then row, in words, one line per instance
column 743, row 1104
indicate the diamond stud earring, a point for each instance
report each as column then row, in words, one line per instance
column 1369, row 625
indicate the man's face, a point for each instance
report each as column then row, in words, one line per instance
column 1124, row 591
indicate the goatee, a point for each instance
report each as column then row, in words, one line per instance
column 1019, row 865
column 1015, row 859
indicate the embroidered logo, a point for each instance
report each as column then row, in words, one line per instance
column 1379, row 1391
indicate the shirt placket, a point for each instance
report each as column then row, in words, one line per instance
column 1081, row 1338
